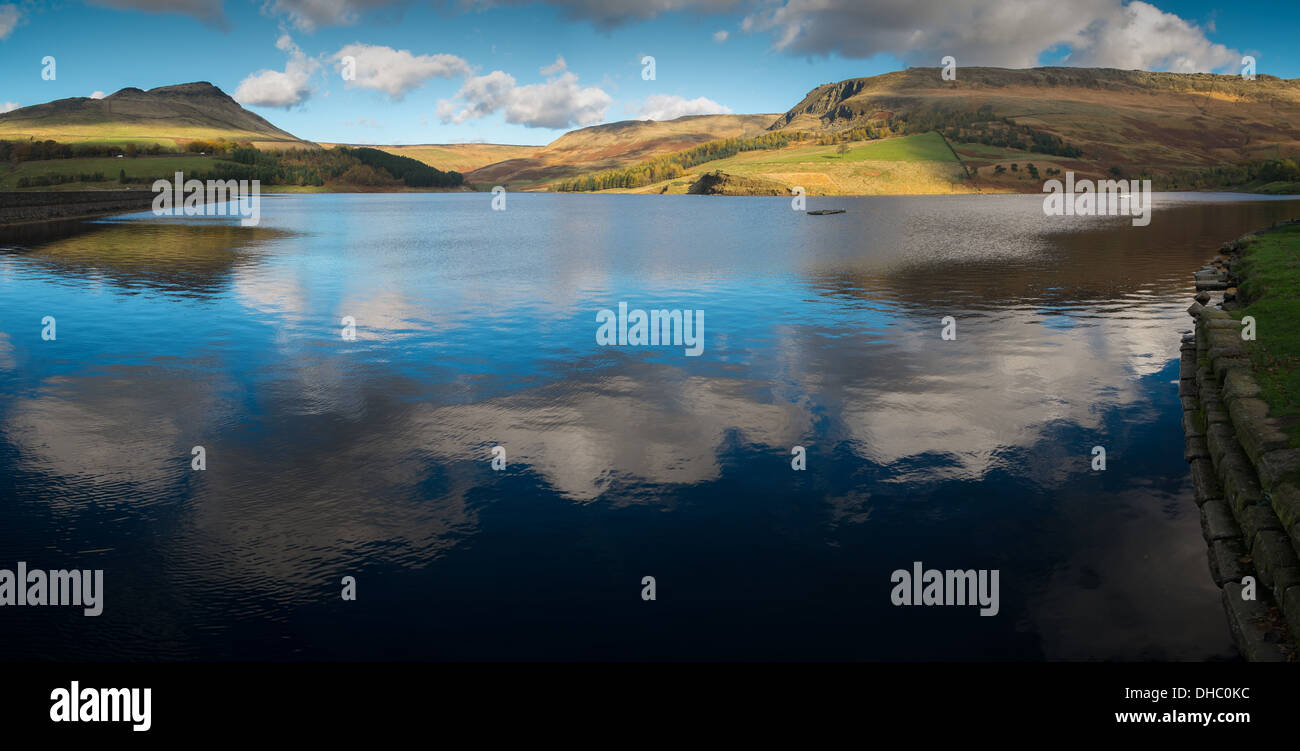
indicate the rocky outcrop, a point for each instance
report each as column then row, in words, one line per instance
column 1246, row 478
column 719, row 183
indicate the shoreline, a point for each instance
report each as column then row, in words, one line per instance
column 40, row 208
column 1245, row 471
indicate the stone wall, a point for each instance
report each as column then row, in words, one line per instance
column 1247, row 481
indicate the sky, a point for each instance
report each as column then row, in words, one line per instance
column 525, row 72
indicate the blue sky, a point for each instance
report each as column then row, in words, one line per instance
column 472, row 70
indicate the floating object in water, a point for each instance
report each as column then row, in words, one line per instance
column 820, row 212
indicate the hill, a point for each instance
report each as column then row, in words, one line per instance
column 1085, row 119
column 167, row 115
column 614, row 145
column 1001, row 130
column 458, row 157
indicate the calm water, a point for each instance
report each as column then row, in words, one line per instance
column 370, row 458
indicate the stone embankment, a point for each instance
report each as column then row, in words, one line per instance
column 1246, row 478
column 43, row 206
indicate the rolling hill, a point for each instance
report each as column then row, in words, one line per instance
column 1002, row 130
column 1138, row 122
column 613, row 145
column 909, row 131
column 168, row 115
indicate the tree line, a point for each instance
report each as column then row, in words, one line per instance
column 304, row 167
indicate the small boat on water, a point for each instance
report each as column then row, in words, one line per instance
column 822, row 212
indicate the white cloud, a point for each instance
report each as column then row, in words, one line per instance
column 273, row 88
column 1012, row 33
column 720, row 36
column 97, row 95
column 10, row 15
column 555, row 67
column 396, row 72
column 558, row 103
column 9, row 107
column 671, row 107
column 1142, row 36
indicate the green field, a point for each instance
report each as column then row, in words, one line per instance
column 168, row 136
column 1271, row 279
column 916, row 164
column 137, row 167
column 923, row 147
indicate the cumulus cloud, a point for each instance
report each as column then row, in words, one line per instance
column 10, row 15
column 396, row 72
column 555, row 67
column 1012, row 33
column 208, row 11
column 97, row 95
column 720, row 36
column 558, row 103
column 1142, row 36
column 671, row 107
column 8, row 106
column 273, row 88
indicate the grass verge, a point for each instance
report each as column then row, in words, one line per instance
column 1271, row 283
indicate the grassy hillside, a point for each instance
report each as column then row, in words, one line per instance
column 1137, row 122
column 919, row 164
column 615, row 145
column 168, row 115
column 997, row 130
column 1271, row 285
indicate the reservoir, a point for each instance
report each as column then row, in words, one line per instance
column 371, row 456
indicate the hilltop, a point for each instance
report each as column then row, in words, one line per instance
column 167, row 115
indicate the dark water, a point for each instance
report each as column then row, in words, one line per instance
column 371, row 458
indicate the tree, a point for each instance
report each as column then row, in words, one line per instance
column 998, row 170
column 1033, row 171
column 843, row 149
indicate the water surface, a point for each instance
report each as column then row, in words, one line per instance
column 475, row 328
